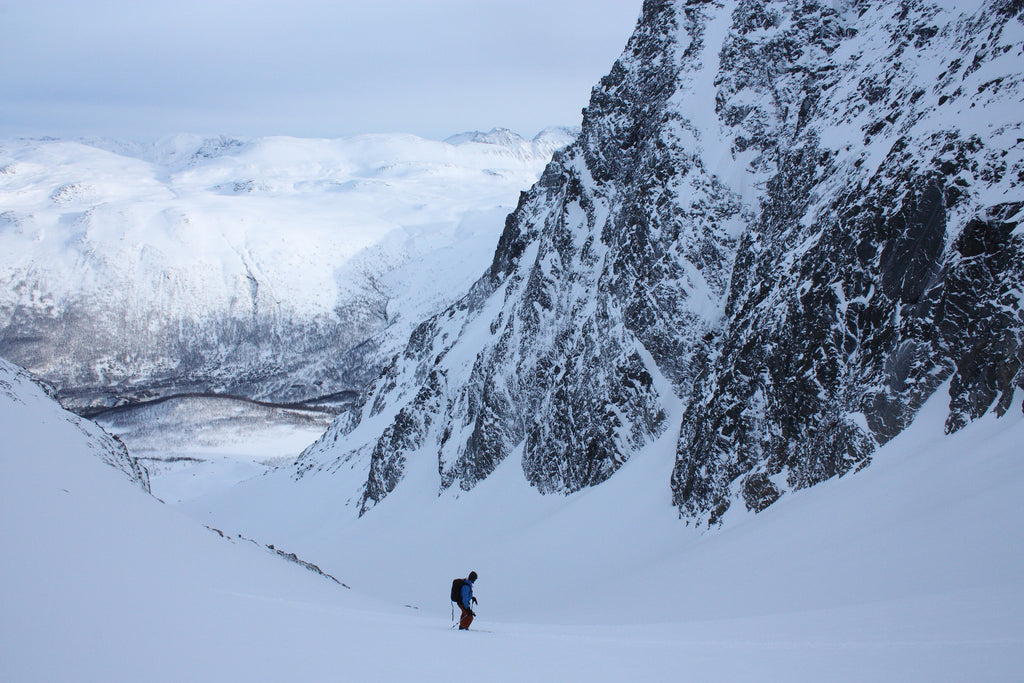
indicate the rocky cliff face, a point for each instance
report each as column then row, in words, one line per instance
column 787, row 222
column 884, row 259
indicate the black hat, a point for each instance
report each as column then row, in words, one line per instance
column 472, row 576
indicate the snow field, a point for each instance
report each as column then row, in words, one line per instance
column 908, row 570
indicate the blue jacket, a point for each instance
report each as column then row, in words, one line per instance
column 467, row 593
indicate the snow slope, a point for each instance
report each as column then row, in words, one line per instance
column 908, row 570
column 844, row 581
column 102, row 582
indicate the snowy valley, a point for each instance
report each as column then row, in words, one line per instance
column 267, row 268
column 726, row 385
column 904, row 571
column 194, row 294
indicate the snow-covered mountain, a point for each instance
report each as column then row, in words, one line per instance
column 786, row 244
column 783, row 226
column 267, row 268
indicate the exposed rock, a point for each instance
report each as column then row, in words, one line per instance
column 795, row 219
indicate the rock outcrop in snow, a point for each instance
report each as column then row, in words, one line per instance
column 787, row 222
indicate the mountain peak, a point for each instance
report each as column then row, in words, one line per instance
column 495, row 136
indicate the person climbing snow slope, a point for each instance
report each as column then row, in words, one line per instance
column 462, row 593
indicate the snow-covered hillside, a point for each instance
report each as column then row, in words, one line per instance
column 28, row 408
column 252, row 267
column 103, row 582
column 904, row 571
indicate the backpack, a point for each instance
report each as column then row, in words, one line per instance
column 457, row 591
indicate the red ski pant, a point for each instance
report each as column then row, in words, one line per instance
column 467, row 617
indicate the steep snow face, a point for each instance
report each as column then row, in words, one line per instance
column 253, row 267
column 793, row 219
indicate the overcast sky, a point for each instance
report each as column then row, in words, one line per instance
column 325, row 68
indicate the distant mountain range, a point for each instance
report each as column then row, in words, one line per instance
column 267, row 268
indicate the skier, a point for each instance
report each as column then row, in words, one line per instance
column 465, row 595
